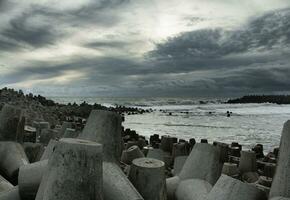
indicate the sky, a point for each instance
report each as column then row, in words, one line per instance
column 145, row 47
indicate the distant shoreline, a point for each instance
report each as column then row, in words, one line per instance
column 276, row 99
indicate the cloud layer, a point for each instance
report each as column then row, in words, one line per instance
column 137, row 48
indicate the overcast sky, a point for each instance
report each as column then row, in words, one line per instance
column 145, row 47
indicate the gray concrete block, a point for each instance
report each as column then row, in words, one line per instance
column 70, row 133
column 193, row 189
column 12, row 158
column 104, row 127
column 228, row 188
column 230, row 169
column 63, row 128
column 33, row 151
column 248, row 162
column 116, row 186
column 148, row 177
column 12, row 124
column 29, row 179
column 48, row 150
column 12, row 194
column 130, row 154
column 4, row 184
column 178, row 164
column 74, row 172
column 203, row 163
column 281, row 181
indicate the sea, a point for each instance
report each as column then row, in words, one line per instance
column 201, row 118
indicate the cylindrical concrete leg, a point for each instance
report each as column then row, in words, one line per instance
column 228, row 188
column 29, row 179
column 281, row 181
column 178, row 164
column 74, row 172
column 230, row 169
column 132, row 153
column 148, row 177
column 12, row 194
column 5, row 185
column 104, row 127
column 12, row 157
column 167, row 143
column 248, row 162
column 171, row 186
column 203, row 163
column 48, row 150
column 116, row 186
column 193, row 189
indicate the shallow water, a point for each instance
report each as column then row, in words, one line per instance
column 249, row 124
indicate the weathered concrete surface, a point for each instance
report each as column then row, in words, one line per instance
column 280, row 198
column 248, row 162
column 12, row 124
column 12, row 157
column 116, row 185
column 167, row 143
column 171, row 186
column 12, row 194
column 130, row 154
column 4, row 184
column 70, row 133
column 104, row 127
column 33, row 151
column 74, row 172
column 230, row 169
column 156, row 154
column 64, row 126
column 193, row 189
column 178, row 164
column 281, row 181
column 228, row 188
column 46, row 135
column 203, row 163
column 48, row 150
column 148, row 177
column 29, row 179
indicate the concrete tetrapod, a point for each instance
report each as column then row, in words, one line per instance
column 64, row 126
column 116, row 184
column 5, row 185
column 29, row 179
column 130, row 154
column 74, row 172
column 70, row 133
column 281, row 181
column 48, row 150
column 193, row 189
column 12, row 157
column 11, row 123
column 104, row 127
column 12, row 194
column 148, row 177
column 280, row 198
column 228, row 188
column 203, row 163
column 33, row 151
column 248, row 162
